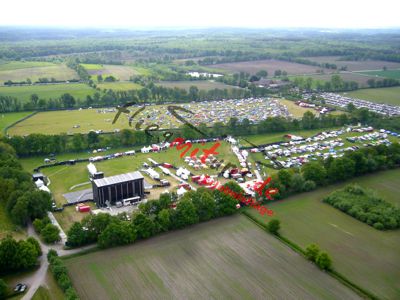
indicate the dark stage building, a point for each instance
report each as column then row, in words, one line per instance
column 126, row 188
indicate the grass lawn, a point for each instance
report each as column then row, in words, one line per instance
column 121, row 72
column 57, row 71
column 7, row 119
column 16, row 65
column 395, row 74
column 367, row 256
column 119, row 86
column 390, row 95
column 228, row 258
column 46, row 91
column 296, row 110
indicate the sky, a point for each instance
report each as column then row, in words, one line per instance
column 203, row 13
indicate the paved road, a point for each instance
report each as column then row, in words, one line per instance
column 36, row 279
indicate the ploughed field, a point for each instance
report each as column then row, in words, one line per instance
column 230, row 258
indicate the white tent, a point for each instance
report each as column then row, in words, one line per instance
column 45, row 189
column 92, row 169
column 39, row 183
column 181, row 191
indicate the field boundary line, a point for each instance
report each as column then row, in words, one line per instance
column 5, row 130
column 335, row 274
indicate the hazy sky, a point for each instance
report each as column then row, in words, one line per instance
column 203, row 13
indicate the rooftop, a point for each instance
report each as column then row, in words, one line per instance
column 118, row 179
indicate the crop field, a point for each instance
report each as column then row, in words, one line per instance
column 346, row 76
column 367, row 256
column 46, row 91
column 390, row 95
column 20, row 71
column 394, row 74
column 121, row 72
column 270, row 66
column 201, row 84
column 7, row 119
column 358, row 65
column 227, row 258
column 119, row 86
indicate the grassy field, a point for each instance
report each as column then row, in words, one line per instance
column 296, row 110
column 9, row 118
column 119, row 86
column 367, row 256
column 201, row 84
column 390, row 95
column 395, row 74
column 270, row 66
column 46, row 91
column 50, row 290
column 229, row 258
column 355, row 65
column 20, row 71
column 121, row 72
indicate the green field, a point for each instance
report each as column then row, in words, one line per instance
column 121, row 72
column 119, row 86
column 390, row 95
column 201, row 84
column 20, row 71
column 395, row 74
column 228, row 258
column 368, row 257
column 46, row 91
column 7, row 119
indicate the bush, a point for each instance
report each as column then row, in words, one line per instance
column 3, row 289
column 312, row 252
column 273, row 226
column 309, row 185
column 363, row 205
column 50, row 234
column 324, row 261
column 39, row 224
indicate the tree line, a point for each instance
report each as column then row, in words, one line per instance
column 18, row 193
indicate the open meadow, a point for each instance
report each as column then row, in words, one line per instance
column 270, row 65
column 394, row 74
column 20, row 71
column 390, row 95
column 368, row 257
column 121, row 72
column 47, row 91
column 7, row 119
column 226, row 258
column 356, row 65
column 119, row 86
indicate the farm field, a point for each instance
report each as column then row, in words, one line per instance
column 358, row 65
column 121, row 72
column 269, row 65
column 225, row 258
column 201, row 84
column 20, row 71
column 395, row 74
column 390, row 95
column 119, row 86
column 368, row 257
column 46, row 91
column 7, row 119
column 346, row 76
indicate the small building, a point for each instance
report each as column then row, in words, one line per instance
column 126, row 188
